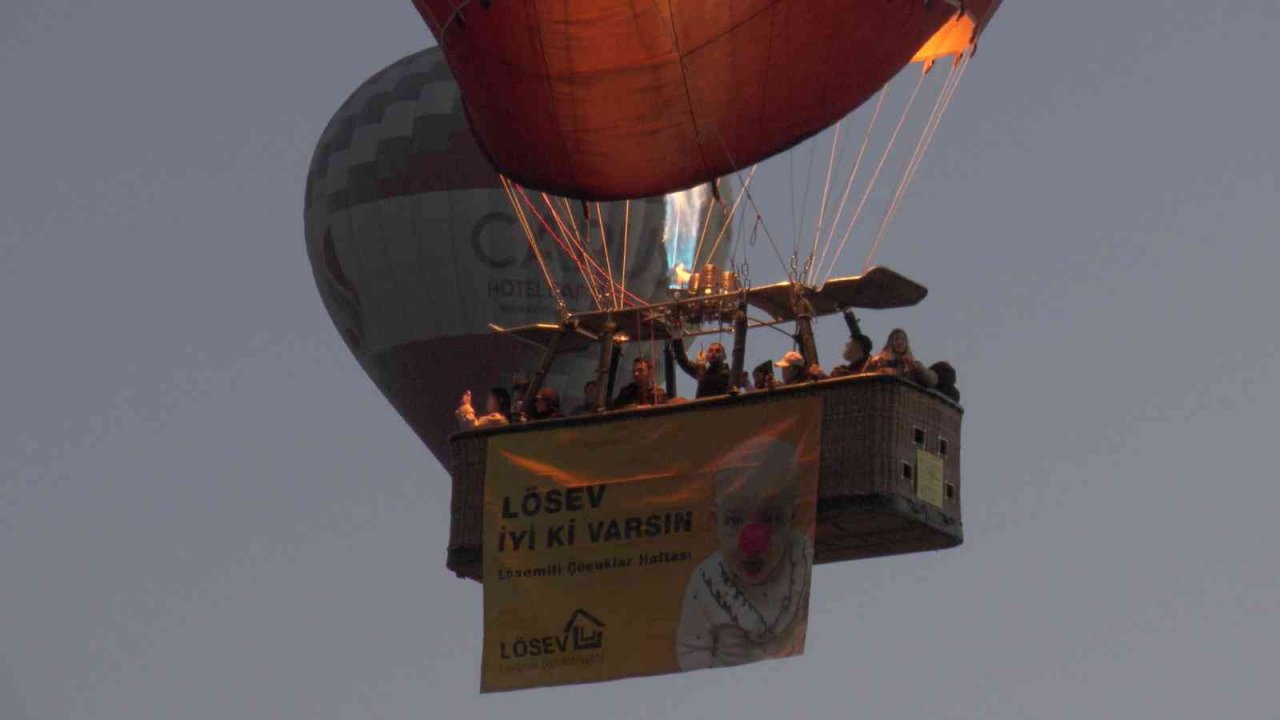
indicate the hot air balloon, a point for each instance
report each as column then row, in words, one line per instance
column 417, row 250
column 616, row 99
column 562, row 202
column 429, row 224
column 604, row 99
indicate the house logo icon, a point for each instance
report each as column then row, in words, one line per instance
column 586, row 630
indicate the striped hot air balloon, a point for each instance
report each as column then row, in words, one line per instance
column 416, row 248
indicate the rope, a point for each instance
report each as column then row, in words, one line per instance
column 826, row 191
column 866, row 138
column 795, row 222
column 931, row 127
column 747, row 191
column 702, row 234
column 583, row 269
column 583, row 244
column 568, row 211
column 872, row 182
column 626, row 229
column 728, row 222
column 563, row 245
column 586, row 251
column 608, row 263
column 804, row 199
column 533, row 244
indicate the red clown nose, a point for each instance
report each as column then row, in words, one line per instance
column 754, row 539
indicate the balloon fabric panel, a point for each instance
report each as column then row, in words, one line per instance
column 611, row 99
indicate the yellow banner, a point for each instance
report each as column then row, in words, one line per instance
column 650, row 545
column 929, row 477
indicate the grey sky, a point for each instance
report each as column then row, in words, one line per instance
column 206, row 510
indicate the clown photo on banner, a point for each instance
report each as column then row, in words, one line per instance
column 651, row 544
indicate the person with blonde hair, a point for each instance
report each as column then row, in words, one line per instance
column 896, row 359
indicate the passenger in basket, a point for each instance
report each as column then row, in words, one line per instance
column 896, row 359
column 641, row 390
column 795, row 371
column 763, row 377
column 588, row 404
column 749, row 600
column 857, row 352
column 946, row 380
column 546, row 404
column 496, row 410
column 519, row 384
column 712, row 372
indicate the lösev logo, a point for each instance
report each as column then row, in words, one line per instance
column 582, row 632
column 587, row 630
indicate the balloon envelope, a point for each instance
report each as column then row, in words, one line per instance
column 615, row 99
column 416, row 249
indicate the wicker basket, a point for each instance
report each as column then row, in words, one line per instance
column 871, row 499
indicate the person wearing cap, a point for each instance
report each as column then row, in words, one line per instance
column 796, row 371
column 762, row 376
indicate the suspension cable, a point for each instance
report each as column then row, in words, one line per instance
column 575, row 240
column 626, row 229
column 728, row 221
column 804, row 199
column 857, row 164
column 826, row 191
column 603, row 275
column 876, row 174
column 533, row 244
column 760, row 223
column 935, row 119
column 791, row 166
column 572, row 252
column 563, row 245
column 579, row 252
column 532, row 208
column 702, row 234
column 608, row 263
column 583, row 245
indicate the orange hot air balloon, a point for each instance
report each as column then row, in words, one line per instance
column 416, row 249
column 613, row 98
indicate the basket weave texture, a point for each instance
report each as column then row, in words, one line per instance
column 873, row 428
